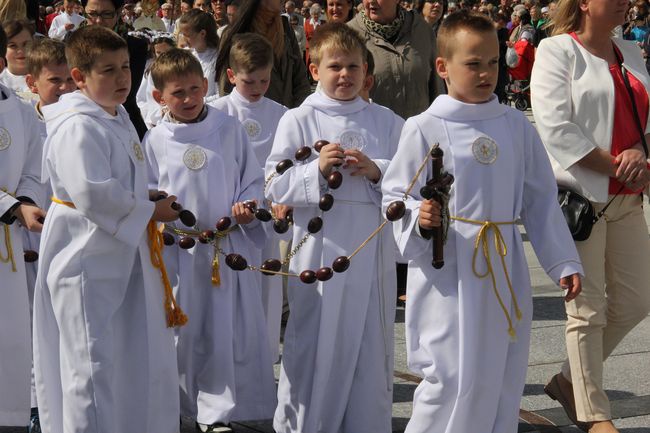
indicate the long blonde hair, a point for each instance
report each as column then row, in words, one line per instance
column 566, row 18
column 12, row 10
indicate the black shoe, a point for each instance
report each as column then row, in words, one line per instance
column 217, row 427
column 34, row 421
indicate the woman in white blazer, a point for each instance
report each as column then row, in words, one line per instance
column 585, row 118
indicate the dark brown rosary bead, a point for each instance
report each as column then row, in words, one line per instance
column 187, row 218
column 223, row 224
column 236, row 262
column 326, row 202
column 303, row 153
column 176, row 206
column 324, row 274
column 250, row 205
column 186, row 242
column 314, row 225
column 159, row 197
column 208, row 234
column 280, row 226
column 168, row 239
column 396, row 210
column 271, row 265
column 335, row 179
column 289, row 216
column 30, row 256
column 341, row 264
column 263, row 215
column 319, row 145
column 283, row 166
column 308, row 277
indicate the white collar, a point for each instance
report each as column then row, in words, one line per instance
column 334, row 107
column 449, row 108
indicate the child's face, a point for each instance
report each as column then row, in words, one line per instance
column 161, row 47
column 53, row 81
column 69, row 7
column 251, row 85
column 194, row 39
column 17, row 52
column 471, row 72
column 183, row 96
column 109, row 80
column 341, row 74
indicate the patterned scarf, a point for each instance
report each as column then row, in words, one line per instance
column 386, row 31
column 268, row 23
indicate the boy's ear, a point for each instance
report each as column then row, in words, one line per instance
column 231, row 76
column 441, row 68
column 313, row 69
column 3, row 64
column 78, row 77
column 157, row 96
column 368, row 82
column 205, row 87
column 31, row 83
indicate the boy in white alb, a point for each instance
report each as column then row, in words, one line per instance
column 337, row 362
column 67, row 21
column 203, row 155
column 104, row 356
column 468, row 323
column 251, row 61
column 20, row 192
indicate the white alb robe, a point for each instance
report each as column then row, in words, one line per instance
column 57, row 29
column 150, row 110
column 208, row 60
column 337, row 363
column 14, row 82
column 224, row 360
column 20, row 172
column 104, row 358
column 260, row 120
column 456, row 332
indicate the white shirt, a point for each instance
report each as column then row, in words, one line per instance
column 57, row 29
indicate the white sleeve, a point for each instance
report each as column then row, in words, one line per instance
column 57, row 29
column 30, row 181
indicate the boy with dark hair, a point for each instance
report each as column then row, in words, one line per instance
column 104, row 356
column 462, row 319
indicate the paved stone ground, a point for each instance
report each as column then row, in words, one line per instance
column 626, row 379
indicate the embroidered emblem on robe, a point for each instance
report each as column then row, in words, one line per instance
column 485, row 150
column 253, row 128
column 352, row 140
column 195, row 158
column 137, row 151
column 5, row 139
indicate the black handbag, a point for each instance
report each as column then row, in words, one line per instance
column 578, row 211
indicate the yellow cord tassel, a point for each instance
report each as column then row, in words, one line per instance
column 502, row 250
column 175, row 316
column 216, row 277
column 10, row 250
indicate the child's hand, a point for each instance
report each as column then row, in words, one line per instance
column 29, row 216
column 430, row 215
column 330, row 155
column 280, row 210
column 163, row 211
column 364, row 165
column 242, row 214
column 573, row 285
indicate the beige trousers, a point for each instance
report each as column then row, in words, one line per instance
column 615, row 297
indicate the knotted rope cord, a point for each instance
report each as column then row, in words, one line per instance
column 8, row 245
column 501, row 248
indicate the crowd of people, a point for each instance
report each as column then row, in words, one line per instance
column 175, row 175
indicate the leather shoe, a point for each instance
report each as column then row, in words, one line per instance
column 561, row 390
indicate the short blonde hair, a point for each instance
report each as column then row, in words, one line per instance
column 457, row 21
column 335, row 36
column 13, row 10
column 250, row 52
column 173, row 64
column 88, row 44
column 566, row 18
column 44, row 52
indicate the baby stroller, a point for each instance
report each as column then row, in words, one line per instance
column 518, row 93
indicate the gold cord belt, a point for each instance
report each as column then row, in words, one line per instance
column 482, row 242
column 8, row 246
column 174, row 314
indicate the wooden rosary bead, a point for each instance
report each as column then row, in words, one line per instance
column 159, row 197
column 271, row 265
column 335, row 179
column 186, row 242
column 206, row 236
column 396, row 210
column 176, row 206
column 280, row 226
column 223, row 224
column 324, row 274
column 326, row 202
column 308, row 277
column 283, row 166
column 427, row 192
column 303, row 153
column 30, row 256
column 250, row 205
column 319, row 145
column 314, row 225
column 236, row 262
column 341, row 264
column 263, row 215
column 187, row 218
column 168, row 239
column 289, row 216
